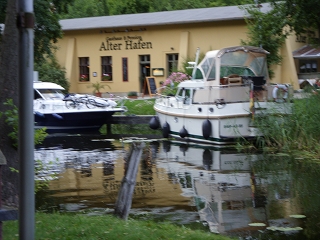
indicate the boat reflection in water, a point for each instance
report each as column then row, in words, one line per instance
column 221, row 183
column 181, row 183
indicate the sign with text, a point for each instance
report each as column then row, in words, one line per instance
column 150, row 86
column 124, row 43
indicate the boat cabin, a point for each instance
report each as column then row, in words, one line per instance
column 47, row 90
column 227, row 75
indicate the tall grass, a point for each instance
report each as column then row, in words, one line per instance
column 298, row 131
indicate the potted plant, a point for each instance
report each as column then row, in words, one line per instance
column 97, row 86
column 132, row 94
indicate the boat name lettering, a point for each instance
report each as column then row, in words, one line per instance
column 238, row 163
column 129, row 43
column 233, row 126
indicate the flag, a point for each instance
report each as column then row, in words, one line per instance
column 251, row 106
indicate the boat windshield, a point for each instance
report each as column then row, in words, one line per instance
column 243, row 63
column 49, row 94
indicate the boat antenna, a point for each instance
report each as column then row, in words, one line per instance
column 195, row 63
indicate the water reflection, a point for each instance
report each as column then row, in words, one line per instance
column 222, row 189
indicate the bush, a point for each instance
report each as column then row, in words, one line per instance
column 51, row 71
column 172, row 82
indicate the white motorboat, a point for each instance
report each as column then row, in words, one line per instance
column 228, row 87
column 69, row 113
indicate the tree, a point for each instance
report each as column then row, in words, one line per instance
column 85, row 8
column 303, row 17
column 92, row 8
column 51, row 71
column 47, row 31
column 9, row 90
column 267, row 30
column 219, row 3
column 128, row 6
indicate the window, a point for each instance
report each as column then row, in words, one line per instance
column 145, row 65
column 172, row 63
column 84, row 69
column 125, row 69
column 308, row 66
column 106, row 68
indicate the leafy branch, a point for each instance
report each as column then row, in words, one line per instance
column 12, row 119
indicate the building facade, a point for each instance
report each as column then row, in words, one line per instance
column 121, row 51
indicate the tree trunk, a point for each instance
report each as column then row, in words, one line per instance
column 9, row 90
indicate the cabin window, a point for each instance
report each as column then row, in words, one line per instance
column 241, row 71
column 208, row 67
column 308, row 66
column 172, row 63
column 84, row 69
column 36, row 95
column 106, row 68
column 185, row 95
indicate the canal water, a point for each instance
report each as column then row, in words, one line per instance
column 221, row 190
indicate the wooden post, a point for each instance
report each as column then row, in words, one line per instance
column 125, row 194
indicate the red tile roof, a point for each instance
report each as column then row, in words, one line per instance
column 307, row 51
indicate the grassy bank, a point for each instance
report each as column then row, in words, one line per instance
column 135, row 107
column 139, row 106
column 77, row 226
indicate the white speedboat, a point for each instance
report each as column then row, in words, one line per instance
column 71, row 113
column 218, row 104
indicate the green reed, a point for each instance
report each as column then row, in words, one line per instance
column 296, row 131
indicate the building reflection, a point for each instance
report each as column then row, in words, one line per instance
column 218, row 184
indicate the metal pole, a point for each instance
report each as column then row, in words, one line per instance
column 26, row 121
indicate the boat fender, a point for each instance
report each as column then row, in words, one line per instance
column 183, row 148
column 207, row 159
column 57, row 116
column 284, row 88
column 154, row 123
column 183, row 132
column 165, row 130
column 206, row 129
column 166, row 145
column 39, row 114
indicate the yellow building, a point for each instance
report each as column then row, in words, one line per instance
column 120, row 51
